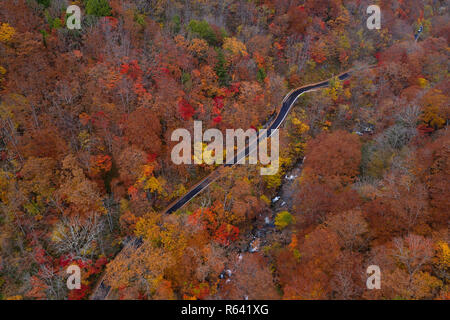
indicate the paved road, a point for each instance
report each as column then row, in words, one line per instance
column 102, row 290
column 288, row 102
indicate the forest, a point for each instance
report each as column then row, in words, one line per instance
column 86, row 118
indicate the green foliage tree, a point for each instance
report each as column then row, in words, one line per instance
column 221, row 69
column 99, row 8
column 261, row 75
column 283, row 219
column 203, row 30
column 176, row 24
column 45, row 3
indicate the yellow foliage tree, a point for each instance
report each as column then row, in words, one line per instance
column 234, row 46
column 435, row 109
column 442, row 257
column 149, row 182
column 199, row 47
column 336, row 89
column 300, row 126
column 2, row 73
column 6, row 32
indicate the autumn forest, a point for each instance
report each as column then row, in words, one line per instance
column 87, row 115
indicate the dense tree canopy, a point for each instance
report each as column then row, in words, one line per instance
column 86, row 118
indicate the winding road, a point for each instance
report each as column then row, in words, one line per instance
column 288, row 103
column 102, row 290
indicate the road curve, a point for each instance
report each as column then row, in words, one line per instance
column 288, row 102
column 102, row 290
